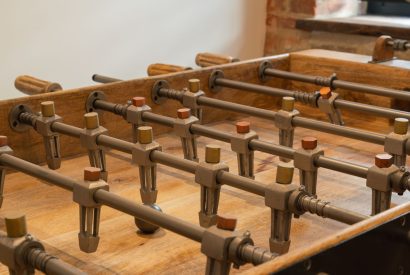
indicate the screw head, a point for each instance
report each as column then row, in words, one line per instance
column 243, row 127
column 401, row 126
column 284, row 173
column 3, row 141
column 309, row 143
column 194, row 85
column 183, row 113
column 288, row 103
column 325, row 92
column 383, row 160
column 138, row 101
column 92, row 173
column 47, row 108
column 91, row 120
column 15, row 225
column 212, row 153
column 145, row 135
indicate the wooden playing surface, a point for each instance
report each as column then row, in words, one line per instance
column 53, row 217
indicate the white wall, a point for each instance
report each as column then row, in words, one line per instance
column 68, row 41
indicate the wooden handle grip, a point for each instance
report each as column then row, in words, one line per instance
column 32, row 86
column 159, row 68
column 211, row 59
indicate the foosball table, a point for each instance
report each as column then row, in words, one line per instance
column 289, row 164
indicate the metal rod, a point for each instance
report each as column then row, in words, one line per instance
column 176, row 225
column 376, row 90
column 37, row 171
column 278, row 150
column 66, row 129
column 115, row 143
column 104, row 79
column 339, row 130
column 48, row 264
column 118, row 109
column 235, row 107
column 323, row 209
column 163, row 120
column 343, row 215
column 173, row 161
column 146, row 213
column 339, row 103
column 242, row 183
column 342, row 166
column 253, row 87
column 365, row 108
column 210, row 132
column 256, row 144
column 297, row 121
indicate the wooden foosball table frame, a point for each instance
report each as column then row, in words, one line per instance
column 316, row 242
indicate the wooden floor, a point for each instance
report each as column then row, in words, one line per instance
column 53, row 217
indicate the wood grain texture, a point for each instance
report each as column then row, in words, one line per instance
column 53, row 217
column 70, row 104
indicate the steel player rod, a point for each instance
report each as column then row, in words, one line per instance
column 53, row 266
column 182, row 164
column 338, row 130
column 406, row 46
column 37, row 171
column 331, row 211
column 366, row 108
column 256, row 144
column 336, row 83
column 227, row 178
column 176, row 225
column 104, row 79
column 297, row 121
column 102, row 196
column 340, row 103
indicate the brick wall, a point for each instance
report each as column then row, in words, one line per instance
column 282, row 36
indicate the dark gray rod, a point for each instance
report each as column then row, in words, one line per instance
column 365, row 108
column 340, row 103
column 110, row 107
column 155, row 118
column 210, row 132
column 297, row 121
column 234, row 84
column 256, row 144
column 242, row 183
column 339, row 130
column 273, row 149
column 235, row 107
column 104, row 79
column 37, row 171
column 342, row 166
column 376, row 90
column 50, row 265
column 146, row 213
column 174, row 161
column 176, row 225
column 115, row 143
column 331, row 211
column 66, row 129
